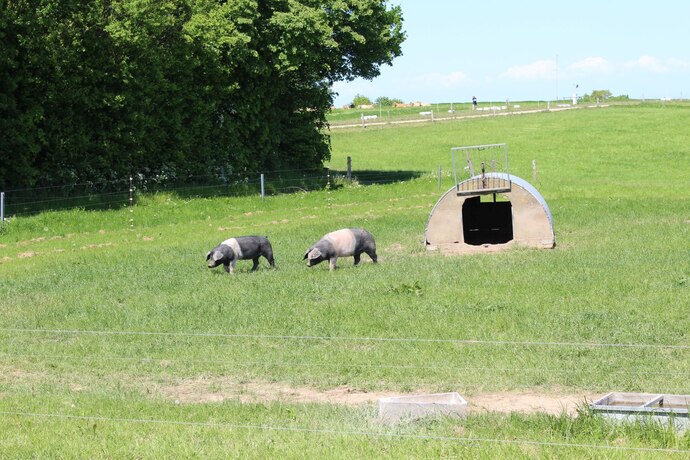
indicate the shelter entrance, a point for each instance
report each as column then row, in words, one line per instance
column 487, row 209
column 487, row 222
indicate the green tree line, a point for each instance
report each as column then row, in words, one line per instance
column 95, row 90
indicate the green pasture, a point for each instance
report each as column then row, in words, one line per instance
column 117, row 341
column 347, row 116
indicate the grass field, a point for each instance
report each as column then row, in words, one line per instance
column 343, row 117
column 119, row 342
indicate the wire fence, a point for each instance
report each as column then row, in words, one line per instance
column 241, row 370
column 346, row 338
column 115, row 194
column 126, row 191
column 439, row 376
column 302, row 364
column 64, row 345
column 375, row 115
column 349, row 433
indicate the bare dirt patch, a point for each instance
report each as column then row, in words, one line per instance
column 204, row 390
column 96, row 246
column 216, row 390
column 10, row 375
column 528, row 402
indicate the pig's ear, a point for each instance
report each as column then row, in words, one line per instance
column 314, row 254
column 208, row 255
column 306, row 254
column 217, row 255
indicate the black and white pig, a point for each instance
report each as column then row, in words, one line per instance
column 341, row 243
column 241, row 248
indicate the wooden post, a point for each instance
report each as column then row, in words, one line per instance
column 262, row 186
column 349, row 168
column 2, row 207
column 534, row 171
column 328, row 187
column 131, row 204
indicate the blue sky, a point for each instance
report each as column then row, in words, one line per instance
column 535, row 50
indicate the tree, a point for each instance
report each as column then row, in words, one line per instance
column 387, row 101
column 359, row 100
column 100, row 89
column 23, row 61
column 600, row 94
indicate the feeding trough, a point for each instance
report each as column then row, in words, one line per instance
column 635, row 407
column 418, row 406
column 488, row 209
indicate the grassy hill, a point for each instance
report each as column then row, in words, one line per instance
column 119, row 342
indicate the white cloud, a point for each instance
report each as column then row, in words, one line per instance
column 679, row 64
column 591, row 65
column 649, row 63
column 538, row 70
column 659, row 66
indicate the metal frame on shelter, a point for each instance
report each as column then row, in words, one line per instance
column 489, row 159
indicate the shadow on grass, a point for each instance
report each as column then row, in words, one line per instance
column 30, row 202
column 375, row 177
column 26, row 204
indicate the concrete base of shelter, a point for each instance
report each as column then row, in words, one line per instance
column 462, row 248
column 467, row 220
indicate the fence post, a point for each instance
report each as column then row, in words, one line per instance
column 131, row 205
column 349, row 168
column 328, row 186
column 262, row 186
column 2, row 207
column 534, row 171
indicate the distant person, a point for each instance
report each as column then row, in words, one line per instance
column 474, row 103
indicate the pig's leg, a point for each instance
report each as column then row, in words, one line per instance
column 227, row 268
column 357, row 256
column 268, row 254
column 232, row 266
column 331, row 263
column 256, row 264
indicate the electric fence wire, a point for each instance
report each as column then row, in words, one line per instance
column 351, row 433
column 293, row 364
column 347, row 338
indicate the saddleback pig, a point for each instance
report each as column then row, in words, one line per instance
column 241, row 248
column 341, row 243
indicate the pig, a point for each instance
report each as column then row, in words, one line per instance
column 341, row 243
column 240, row 248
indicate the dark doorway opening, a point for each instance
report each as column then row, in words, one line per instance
column 487, row 222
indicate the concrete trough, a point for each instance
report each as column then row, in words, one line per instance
column 639, row 407
column 396, row 408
